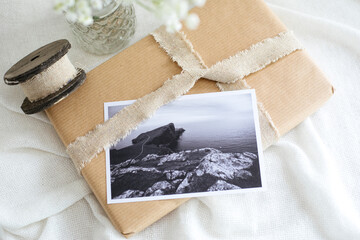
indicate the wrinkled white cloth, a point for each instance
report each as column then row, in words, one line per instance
column 312, row 173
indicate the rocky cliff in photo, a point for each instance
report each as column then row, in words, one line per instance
column 150, row 167
column 159, row 141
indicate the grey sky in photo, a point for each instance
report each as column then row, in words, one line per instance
column 205, row 116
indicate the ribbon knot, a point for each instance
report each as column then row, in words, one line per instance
column 181, row 51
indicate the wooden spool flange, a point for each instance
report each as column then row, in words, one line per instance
column 35, row 63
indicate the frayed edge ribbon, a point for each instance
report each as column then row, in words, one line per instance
column 231, row 70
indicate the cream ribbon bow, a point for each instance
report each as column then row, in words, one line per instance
column 230, row 70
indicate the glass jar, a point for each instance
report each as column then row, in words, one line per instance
column 113, row 27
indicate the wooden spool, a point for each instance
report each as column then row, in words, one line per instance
column 35, row 63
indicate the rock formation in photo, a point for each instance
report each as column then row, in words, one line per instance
column 159, row 141
column 150, row 167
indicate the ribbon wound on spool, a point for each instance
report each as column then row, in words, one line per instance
column 46, row 76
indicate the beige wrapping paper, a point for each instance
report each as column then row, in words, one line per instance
column 290, row 89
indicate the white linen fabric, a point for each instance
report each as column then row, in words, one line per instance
column 312, row 173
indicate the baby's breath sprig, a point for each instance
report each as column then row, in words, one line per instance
column 171, row 12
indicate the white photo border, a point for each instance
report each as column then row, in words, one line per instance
column 263, row 186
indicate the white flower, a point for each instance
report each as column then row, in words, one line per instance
column 96, row 4
column 192, row 21
column 86, row 20
column 169, row 11
column 83, row 8
column 164, row 11
column 173, row 24
column 59, row 6
column 69, row 3
column 182, row 8
column 198, row 3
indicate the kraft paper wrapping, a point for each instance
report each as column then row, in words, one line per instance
column 290, row 89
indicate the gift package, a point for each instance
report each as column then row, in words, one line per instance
column 289, row 88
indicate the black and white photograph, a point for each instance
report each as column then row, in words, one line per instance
column 197, row 145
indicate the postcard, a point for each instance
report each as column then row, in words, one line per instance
column 198, row 145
